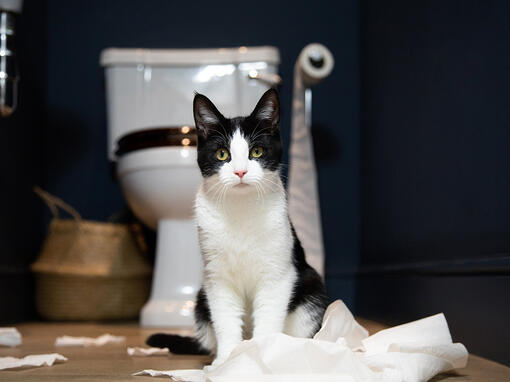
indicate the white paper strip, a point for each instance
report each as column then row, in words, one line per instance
column 10, row 337
column 31, row 361
column 176, row 375
column 145, row 352
column 340, row 351
column 89, row 341
column 304, row 206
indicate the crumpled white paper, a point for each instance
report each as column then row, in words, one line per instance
column 340, row 351
column 145, row 352
column 89, row 341
column 31, row 361
column 10, row 337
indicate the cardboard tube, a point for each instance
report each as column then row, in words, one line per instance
column 315, row 63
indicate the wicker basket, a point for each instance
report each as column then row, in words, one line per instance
column 88, row 270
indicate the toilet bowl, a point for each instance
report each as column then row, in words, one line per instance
column 159, row 177
column 156, row 166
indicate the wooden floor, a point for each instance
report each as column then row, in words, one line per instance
column 112, row 363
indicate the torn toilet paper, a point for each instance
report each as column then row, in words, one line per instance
column 31, row 361
column 340, row 351
column 10, row 337
column 144, row 352
column 89, row 341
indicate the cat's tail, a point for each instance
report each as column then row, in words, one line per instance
column 177, row 344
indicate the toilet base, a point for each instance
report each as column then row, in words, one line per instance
column 167, row 313
column 177, row 276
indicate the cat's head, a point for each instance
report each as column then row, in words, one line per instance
column 242, row 152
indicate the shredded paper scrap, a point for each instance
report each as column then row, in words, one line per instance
column 10, row 337
column 145, row 352
column 31, row 361
column 89, row 341
column 341, row 351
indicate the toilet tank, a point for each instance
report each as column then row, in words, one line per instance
column 150, row 88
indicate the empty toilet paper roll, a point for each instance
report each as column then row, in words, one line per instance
column 313, row 65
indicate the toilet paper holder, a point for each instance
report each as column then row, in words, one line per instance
column 270, row 78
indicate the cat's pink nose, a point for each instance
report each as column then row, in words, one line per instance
column 240, row 173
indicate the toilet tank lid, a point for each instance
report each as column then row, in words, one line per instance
column 121, row 56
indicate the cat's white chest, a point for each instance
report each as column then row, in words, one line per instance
column 247, row 242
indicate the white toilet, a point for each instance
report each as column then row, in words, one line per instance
column 152, row 140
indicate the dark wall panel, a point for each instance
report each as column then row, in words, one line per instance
column 436, row 136
column 21, row 167
column 435, row 159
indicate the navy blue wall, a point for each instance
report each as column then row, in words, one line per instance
column 435, row 165
column 21, row 168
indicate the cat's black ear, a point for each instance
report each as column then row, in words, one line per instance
column 206, row 115
column 268, row 109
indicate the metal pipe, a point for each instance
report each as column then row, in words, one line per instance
column 9, row 77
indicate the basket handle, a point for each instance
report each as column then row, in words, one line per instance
column 54, row 203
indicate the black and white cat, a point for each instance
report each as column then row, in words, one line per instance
column 256, row 280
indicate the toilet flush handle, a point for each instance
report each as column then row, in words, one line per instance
column 269, row 78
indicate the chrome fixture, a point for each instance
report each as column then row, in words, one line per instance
column 269, row 78
column 8, row 67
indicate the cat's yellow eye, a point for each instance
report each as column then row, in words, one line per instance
column 256, row 152
column 222, row 154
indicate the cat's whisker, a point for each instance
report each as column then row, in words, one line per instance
column 224, row 197
column 224, row 135
column 219, row 196
column 255, row 129
column 260, row 195
column 213, row 187
column 273, row 186
column 260, row 134
column 262, row 191
column 218, row 193
column 223, row 194
column 279, row 185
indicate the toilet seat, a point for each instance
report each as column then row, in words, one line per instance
column 181, row 136
column 156, row 148
column 157, row 157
